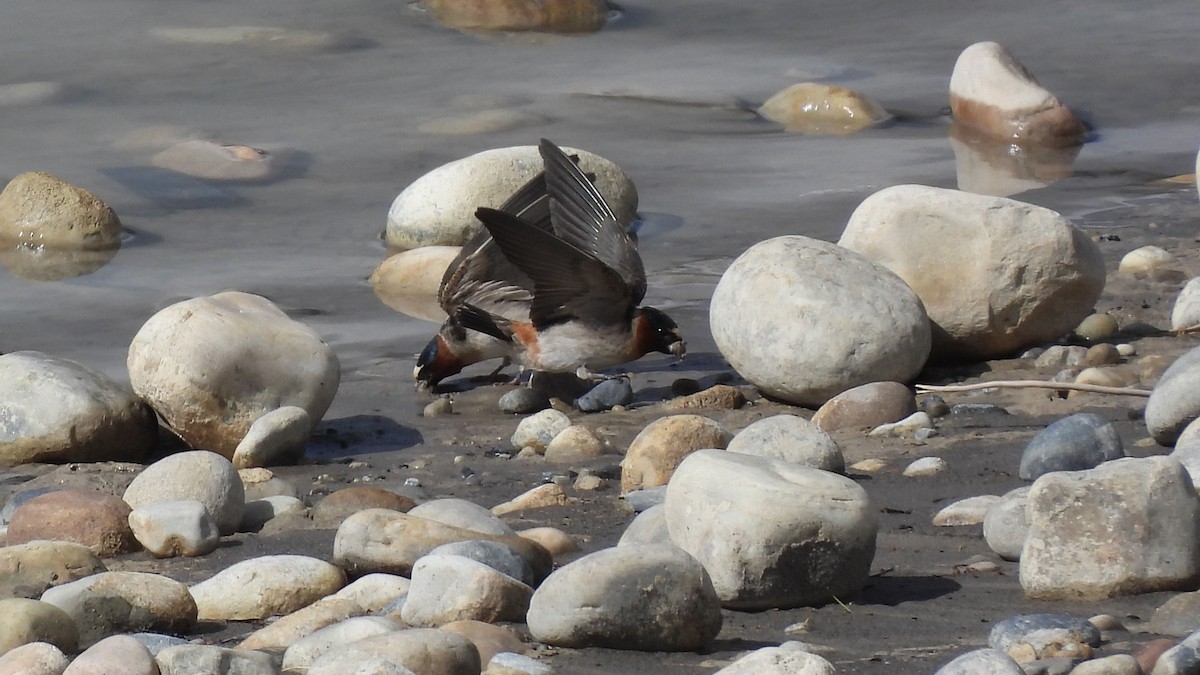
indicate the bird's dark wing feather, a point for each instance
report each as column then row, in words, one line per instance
column 482, row 276
column 568, row 283
column 582, row 218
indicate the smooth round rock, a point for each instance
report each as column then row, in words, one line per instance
column 282, row 633
column 497, row 555
column 658, row 449
column 824, row 320
column 212, row 365
column 189, row 659
column 648, row 527
column 1044, row 636
column 197, row 475
column 792, row 439
column 969, row 511
column 280, row 436
column 771, row 533
column 379, row 540
column 339, row 504
column 38, row 209
column 374, row 591
column 1179, row 616
column 438, row 209
column 57, row 410
column 123, row 602
column 543, row 16
column 1185, row 314
column 258, row 512
column 1145, row 260
column 301, row 653
column 823, row 110
column 34, row 658
column 464, row 514
column 1175, row 399
column 981, row 662
column 169, row 529
column 489, row 639
column 419, row 650
column 925, row 466
column 1005, row 525
column 27, row 570
column 24, row 621
column 573, row 444
column 991, row 92
column 449, row 588
column 606, row 395
column 94, row 519
column 868, row 405
column 645, row 597
column 522, row 400
column 547, row 494
column 266, row 586
column 1099, row 326
column 258, row 483
column 538, row 430
column 789, row 658
column 1073, row 443
column 115, row 655
column 554, row 540
column 1020, row 275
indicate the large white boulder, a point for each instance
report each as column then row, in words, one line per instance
column 56, row 410
column 1127, row 526
column 438, row 209
column 212, row 365
column 996, row 275
column 804, row 320
column 771, row 533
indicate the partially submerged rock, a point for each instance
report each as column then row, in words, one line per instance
column 822, row 109
column 544, row 16
column 993, row 93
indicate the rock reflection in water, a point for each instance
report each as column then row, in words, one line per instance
column 40, row 263
column 987, row 166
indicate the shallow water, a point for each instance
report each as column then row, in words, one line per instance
column 663, row 91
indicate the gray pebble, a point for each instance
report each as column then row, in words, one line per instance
column 935, row 406
column 606, row 395
column 496, row 555
column 523, row 401
column 1017, row 629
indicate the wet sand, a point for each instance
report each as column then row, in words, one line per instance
column 665, row 92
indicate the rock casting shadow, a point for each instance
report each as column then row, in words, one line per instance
column 359, row 435
column 892, row 591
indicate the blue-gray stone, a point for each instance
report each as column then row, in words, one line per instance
column 1014, row 630
column 156, row 642
column 18, row 499
column 496, row 555
column 523, row 401
column 981, row 662
column 640, row 500
column 605, row 395
column 1074, row 443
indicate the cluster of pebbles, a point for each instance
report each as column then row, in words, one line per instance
column 730, row 520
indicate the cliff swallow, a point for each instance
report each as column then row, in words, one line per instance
column 587, row 278
column 483, row 278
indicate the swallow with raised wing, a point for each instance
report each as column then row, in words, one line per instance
column 588, row 280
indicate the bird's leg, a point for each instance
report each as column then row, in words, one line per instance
column 506, row 362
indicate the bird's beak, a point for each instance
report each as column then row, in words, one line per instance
column 678, row 348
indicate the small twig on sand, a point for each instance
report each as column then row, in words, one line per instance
column 1034, row 384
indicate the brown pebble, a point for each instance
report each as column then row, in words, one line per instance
column 94, row 519
column 351, row 500
column 716, row 397
column 552, row 539
column 1147, row 655
column 1102, row 354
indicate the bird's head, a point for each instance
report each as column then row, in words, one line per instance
column 435, row 363
column 657, row 332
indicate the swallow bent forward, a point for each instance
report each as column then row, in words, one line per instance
column 481, row 277
column 587, row 282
